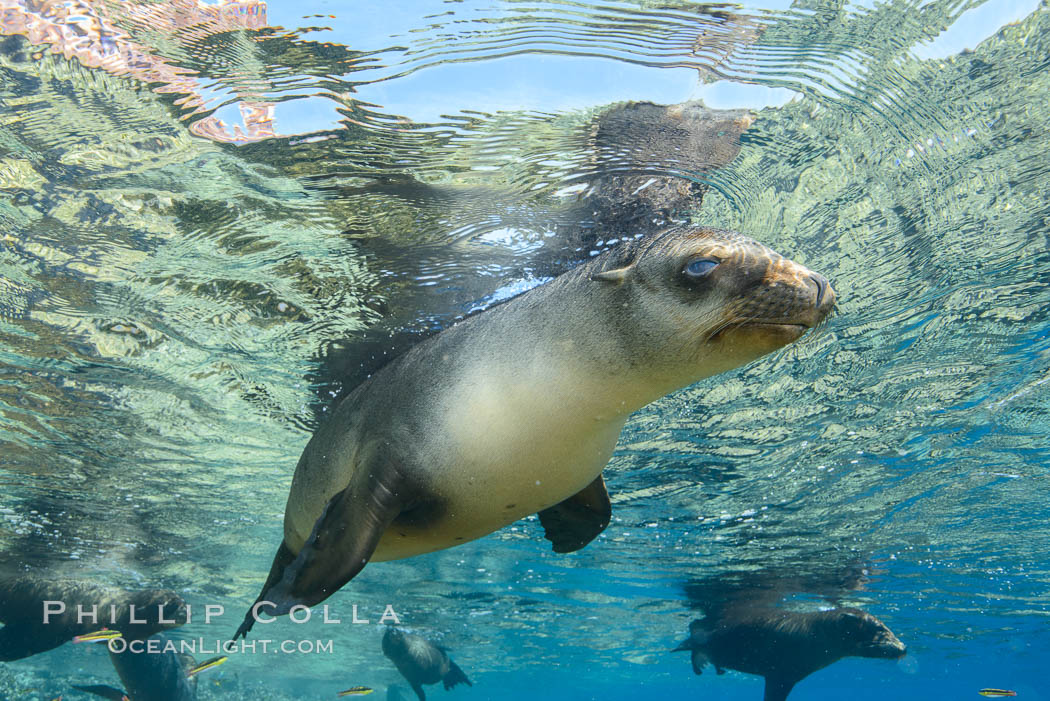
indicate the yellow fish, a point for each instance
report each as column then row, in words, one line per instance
column 104, row 634
column 356, row 691
column 996, row 693
column 206, row 665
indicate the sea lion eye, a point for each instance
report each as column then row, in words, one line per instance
column 700, row 267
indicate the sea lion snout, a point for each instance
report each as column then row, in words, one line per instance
column 748, row 294
column 788, row 293
column 887, row 645
column 716, row 299
column 870, row 636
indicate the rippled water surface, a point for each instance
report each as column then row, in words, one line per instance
column 216, row 218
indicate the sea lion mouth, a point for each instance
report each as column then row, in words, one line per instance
column 789, row 331
column 801, row 327
column 892, row 650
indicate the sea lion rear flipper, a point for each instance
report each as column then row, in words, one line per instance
column 695, row 643
column 579, row 519
column 455, row 676
column 342, row 541
column 281, row 560
column 699, row 660
column 777, row 688
column 106, row 692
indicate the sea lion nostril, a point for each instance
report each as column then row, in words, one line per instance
column 822, row 286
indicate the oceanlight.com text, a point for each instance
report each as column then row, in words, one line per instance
column 203, row 647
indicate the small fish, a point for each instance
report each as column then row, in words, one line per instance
column 206, row 665
column 98, row 635
column 996, row 693
column 356, row 691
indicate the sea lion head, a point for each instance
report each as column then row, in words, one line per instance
column 712, row 300
column 392, row 637
column 399, row 645
column 863, row 635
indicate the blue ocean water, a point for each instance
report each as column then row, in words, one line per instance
column 215, row 218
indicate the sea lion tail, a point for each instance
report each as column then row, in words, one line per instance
column 455, row 676
column 696, row 640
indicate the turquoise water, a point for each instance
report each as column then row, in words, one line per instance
column 180, row 299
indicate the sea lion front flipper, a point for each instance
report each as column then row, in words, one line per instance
column 342, row 541
column 418, row 688
column 777, row 688
column 455, row 676
column 579, row 519
column 106, row 692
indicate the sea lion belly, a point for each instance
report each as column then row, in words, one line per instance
column 508, row 451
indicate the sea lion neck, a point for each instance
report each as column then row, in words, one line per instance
column 568, row 340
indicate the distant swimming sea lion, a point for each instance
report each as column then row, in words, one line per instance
column 421, row 661
column 517, row 409
column 22, row 612
column 785, row 647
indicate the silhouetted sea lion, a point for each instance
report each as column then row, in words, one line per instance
column 785, row 646
column 421, row 661
column 517, row 409
column 22, row 612
column 164, row 675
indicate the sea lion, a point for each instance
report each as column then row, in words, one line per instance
column 785, row 646
column 421, row 661
column 22, row 612
column 164, row 675
column 517, row 409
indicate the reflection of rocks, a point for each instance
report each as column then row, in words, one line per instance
column 16, row 301
column 91, row 32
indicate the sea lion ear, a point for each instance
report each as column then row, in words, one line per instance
column 617, row 275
